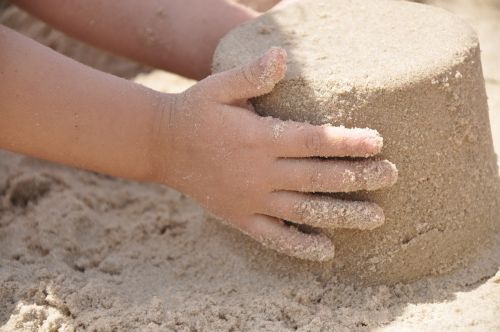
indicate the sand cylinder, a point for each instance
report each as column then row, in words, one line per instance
column 412, row 72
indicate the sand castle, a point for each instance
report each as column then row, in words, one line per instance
column 413, row 72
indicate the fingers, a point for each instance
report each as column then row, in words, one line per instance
column 296, row 140
column 251, row 80
column 329, row 176
column 324, row 211
column 274, row 234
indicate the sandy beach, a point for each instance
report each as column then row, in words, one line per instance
column 84, row 251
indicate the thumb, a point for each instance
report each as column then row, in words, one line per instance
column 251, row 80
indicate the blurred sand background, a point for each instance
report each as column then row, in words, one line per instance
column 83, row 251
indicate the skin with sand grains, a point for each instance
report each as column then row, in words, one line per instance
column 81, row 251
column 264, row 169
column 206, row 142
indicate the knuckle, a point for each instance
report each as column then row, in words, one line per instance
column 256, row 78
column 314, row 142
column 260, row 135
column 249, row 76
column 301, row 210
column 251, row 140
column 346, row 146
column 378, row 174
column 315, row 179
column 374, row 217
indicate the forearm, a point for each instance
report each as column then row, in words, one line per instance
column 176, row 35
column 54, row 108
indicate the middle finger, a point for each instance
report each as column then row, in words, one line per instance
column 333, row 175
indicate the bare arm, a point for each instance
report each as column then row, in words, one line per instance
column 176, row 35
column 55, row 108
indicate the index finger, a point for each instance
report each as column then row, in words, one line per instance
column 299, row 140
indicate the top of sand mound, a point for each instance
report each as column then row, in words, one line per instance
column 374, row 44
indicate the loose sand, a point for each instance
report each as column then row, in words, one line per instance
column 84, row 251
column 414, row 76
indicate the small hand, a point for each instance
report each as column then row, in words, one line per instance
column 255, row 172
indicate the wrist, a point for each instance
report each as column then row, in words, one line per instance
column 162, row 137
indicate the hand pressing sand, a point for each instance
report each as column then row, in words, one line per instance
column 221, row 152
column 152, row 261
column 415, row 76
column 206, row 142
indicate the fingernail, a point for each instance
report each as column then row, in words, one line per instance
column 378, row 142
column 378, row 218
column 273, row 62
column 393, row 176
column 375, row 140
column 380, row 174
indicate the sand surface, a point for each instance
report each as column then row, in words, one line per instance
column 416, row 78
column 85, row 251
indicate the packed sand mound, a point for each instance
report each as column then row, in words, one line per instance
column 413, row 72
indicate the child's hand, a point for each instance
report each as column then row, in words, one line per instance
column 254, row 172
